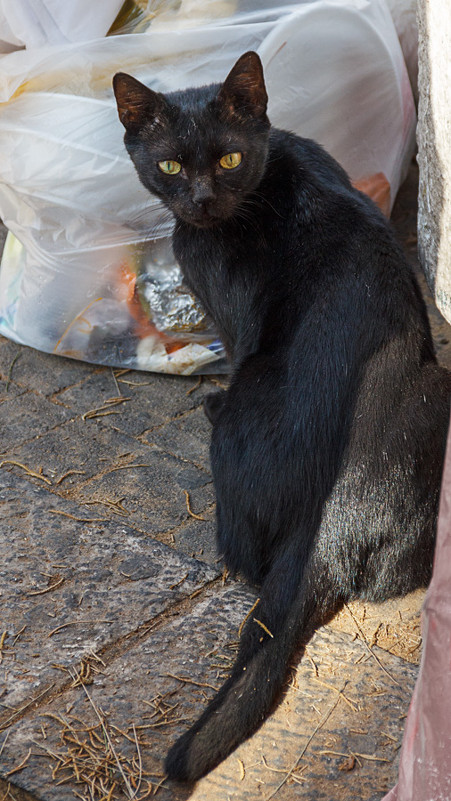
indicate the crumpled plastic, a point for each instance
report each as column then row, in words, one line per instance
column 425, row 762
column 34, row 23
column 87, row 270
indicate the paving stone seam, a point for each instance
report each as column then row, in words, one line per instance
column 164, row 451
column 87, row 483
column 35, row 392
column 38, row 436
column 140, row 438
column 175, row 529
column 176, row 418
column 110, row 469
column 169, row 533
column 96, row 370
column 113, row 651
column 22, row 442
column 166, row 536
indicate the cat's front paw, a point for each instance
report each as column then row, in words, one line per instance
column 213, row 403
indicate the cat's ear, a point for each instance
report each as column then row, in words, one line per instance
column 244, row 88
column 136, row 103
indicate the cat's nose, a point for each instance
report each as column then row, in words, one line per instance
column 202, row 193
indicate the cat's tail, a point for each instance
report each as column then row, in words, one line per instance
column 273, row 630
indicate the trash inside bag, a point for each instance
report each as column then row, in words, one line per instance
column 87, row 270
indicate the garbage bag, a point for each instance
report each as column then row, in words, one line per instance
column 33, row 23
column 87, row 269
column 404, row 16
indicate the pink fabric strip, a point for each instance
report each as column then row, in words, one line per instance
column 425, row 764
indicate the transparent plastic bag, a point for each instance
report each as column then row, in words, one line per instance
column 34, row 23
column 86, row 239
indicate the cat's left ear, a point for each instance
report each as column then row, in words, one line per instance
column 244, row 88
column 136, row 103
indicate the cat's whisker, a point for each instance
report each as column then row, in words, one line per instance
column 147, row 229
column 265, row 200
column 146, row 215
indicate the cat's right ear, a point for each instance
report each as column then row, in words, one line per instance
column 136, row 103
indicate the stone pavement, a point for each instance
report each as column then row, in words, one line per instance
column 117, row 623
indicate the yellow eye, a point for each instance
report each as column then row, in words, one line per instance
column 170, row 167
column 230, row 161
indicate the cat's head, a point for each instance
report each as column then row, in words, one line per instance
column 202, row 151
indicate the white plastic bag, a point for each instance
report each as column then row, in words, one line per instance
column 34, row 23
column 404, row 16
column 90, row 243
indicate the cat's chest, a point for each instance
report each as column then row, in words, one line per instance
column 226, row 273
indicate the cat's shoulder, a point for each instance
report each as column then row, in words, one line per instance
column 307, row 155
column 318, row 183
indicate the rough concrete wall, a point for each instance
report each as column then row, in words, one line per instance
column 434, row 148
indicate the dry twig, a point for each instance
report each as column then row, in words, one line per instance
column 76, row 623
column 370, row 650
column 4, row 741
column 22, row 765
column 28, row 471
column 187, row 680
column 51, row 587
column 78, row 519
column 10, row 371
column 91, row 761
column 188, row 506
column 262, row 625
column 70, row 473
column 246, row 618
column 195, row 386
column 104, row 410
column 126, row 467
column 116, row 506
column 2, row 643
column 340, row 692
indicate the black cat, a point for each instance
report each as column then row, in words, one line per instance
column 328, row 446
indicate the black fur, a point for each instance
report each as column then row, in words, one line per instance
column 328, row 446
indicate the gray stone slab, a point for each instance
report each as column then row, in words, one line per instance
column 77, row 451
column 9, row 390
column 41, row 372
column 71, row 588
column 154, row 399
column 187, row 437
column 147, row 485
column 197, row 538
column 151, row 487
column 27, row 415
column 338, row 711
column 203, row 499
